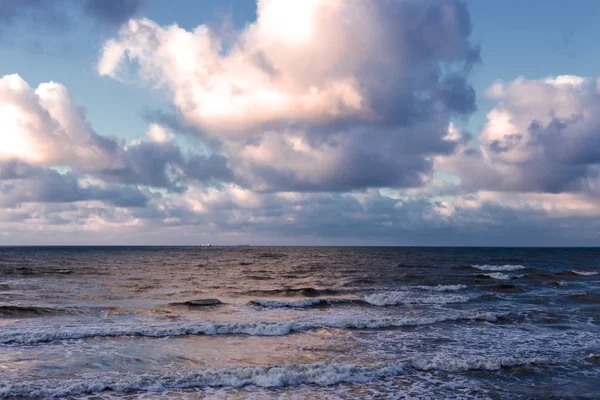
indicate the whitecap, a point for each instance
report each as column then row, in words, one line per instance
column 585, row 273
column 443, row 288
column 396, row 297
column 319, row 374
column 33, row 335
column 498, row 275
column 487, row 267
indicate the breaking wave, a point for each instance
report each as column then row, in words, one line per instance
column 307, row 303
column 585, row 273
column 443, row 288
column 397, row 297
column 507, row 267
column 320, row 374
column 33, row 335
column 306, row 292
column 498, row 275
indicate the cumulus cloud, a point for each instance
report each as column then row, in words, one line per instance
column 323, row 121
column 43, row 127
column 315, row 95
column 541, row 136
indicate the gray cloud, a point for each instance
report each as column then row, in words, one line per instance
column 22, row 183
column 164, row 165
column 542, row 136
column 366, row 218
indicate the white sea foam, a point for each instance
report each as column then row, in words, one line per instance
column 498, row 275
column 443, row 288
column 320, row 374
column 585, row 273
column 450, row 363
column 396, row 297
column 487, row 267
column 33, row 335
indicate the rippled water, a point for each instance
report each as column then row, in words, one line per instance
column 315, row 323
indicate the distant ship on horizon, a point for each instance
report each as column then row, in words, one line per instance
column 205, row 245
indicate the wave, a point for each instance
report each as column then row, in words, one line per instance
column 307, row 303
column 37, row 271
column 498, row 275
column 27, row 311
column 320, row 374
column 34, row 335
column 585, row 273
column 507, row 259
column 15, row 311
column 397, row 297
column 443, row 288
column 198, row 303
column 593, row 298
column 306, row 292
column 505, row 287
column 409, row 266
column 507, row 267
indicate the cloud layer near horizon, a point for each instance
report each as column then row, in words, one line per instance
column 322, row 120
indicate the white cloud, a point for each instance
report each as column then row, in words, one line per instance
column 44, row 127
column 318, row 94
column 541, row 136
column 159, row 134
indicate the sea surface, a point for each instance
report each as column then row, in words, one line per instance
column 299, row 323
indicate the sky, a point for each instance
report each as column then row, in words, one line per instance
column 321, row 122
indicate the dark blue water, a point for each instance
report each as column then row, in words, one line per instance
column 299, row 322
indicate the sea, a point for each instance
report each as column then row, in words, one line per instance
column 299, row 323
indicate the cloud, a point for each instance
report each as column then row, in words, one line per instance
column 43, row 127
column 315, row 95
column 541, row 136
column 158, row 162
column 22, row 183
column 322, row 122
column 236, row 215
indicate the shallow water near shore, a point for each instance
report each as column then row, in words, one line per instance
column 299, row 322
